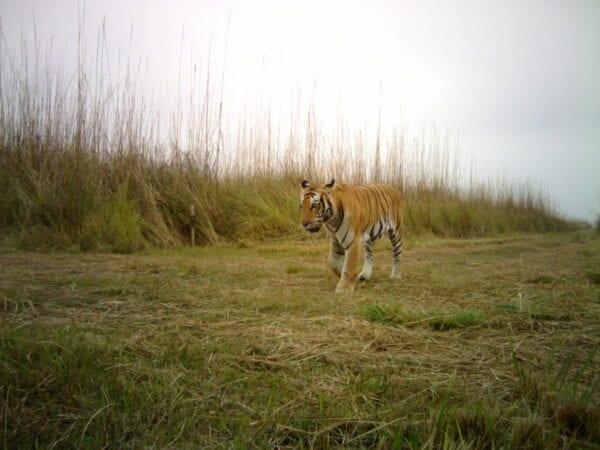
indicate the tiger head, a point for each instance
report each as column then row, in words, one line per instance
column 315, row 206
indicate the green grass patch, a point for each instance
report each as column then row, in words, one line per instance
column 118, row 225
column 291, row 269
column 508, row 308
column 397, row 315
column 535, row 310
column 460, row 319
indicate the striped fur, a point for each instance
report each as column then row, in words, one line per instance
column 354, row 218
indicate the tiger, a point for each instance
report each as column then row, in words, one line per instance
column 353, row 217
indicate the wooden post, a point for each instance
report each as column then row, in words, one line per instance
column 193, row 224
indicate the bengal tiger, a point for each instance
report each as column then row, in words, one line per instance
column 354, row 217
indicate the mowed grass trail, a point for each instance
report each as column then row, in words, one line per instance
column 484, row 343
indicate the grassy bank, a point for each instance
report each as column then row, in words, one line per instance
column 65, row 198
column 131, row 203
column 485, row 343
column 88, row 161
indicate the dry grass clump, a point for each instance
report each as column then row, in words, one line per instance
column 224, row 347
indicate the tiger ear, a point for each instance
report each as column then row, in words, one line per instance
column 330, row 185
column 305, row 184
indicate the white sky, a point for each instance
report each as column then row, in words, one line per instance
column 519, row 80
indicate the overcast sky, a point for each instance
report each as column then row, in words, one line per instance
column 518, row 80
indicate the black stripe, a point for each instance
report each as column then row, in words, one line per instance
column 326, row 210
column 341, row 219
column 397, row 247
column 380, row 231
column 371, row 232
column 344, row 238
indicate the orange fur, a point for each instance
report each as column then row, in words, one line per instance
column 354, row 217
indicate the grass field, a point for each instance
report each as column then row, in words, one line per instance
column 484, row 343
column 113, row 334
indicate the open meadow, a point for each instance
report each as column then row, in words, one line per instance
column 484, row 343
column 116, row 333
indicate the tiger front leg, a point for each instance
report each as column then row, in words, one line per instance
column 350, row 269
column 336, row 257
column 367, row 269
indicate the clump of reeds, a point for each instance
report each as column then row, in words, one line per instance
column 86, row 161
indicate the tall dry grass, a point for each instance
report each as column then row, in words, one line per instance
column 87, row 160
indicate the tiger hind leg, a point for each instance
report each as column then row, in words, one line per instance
column 396, row 239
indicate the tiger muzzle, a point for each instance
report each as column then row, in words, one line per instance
column 312, row 227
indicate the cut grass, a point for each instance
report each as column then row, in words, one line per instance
column 249, row 347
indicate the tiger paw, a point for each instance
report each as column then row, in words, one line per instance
column 344, row 289
column 363, row 276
